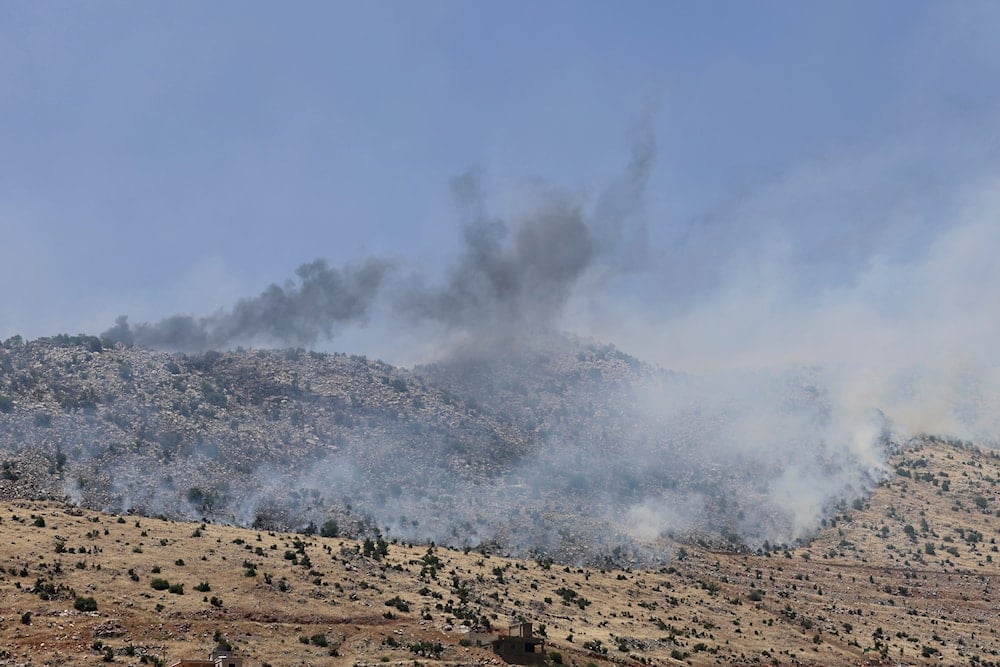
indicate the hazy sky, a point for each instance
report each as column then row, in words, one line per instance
column 170, row 157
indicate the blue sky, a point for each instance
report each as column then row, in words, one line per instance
column 171, row 157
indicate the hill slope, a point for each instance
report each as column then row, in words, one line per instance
column 909, row 576
column 567, row 449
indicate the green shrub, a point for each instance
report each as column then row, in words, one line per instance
column 160, row 584
column 85, row 604
column 427, row 649
column 330, row 529
column 399, row 603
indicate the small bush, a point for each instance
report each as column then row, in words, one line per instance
column 330, row 529
column 85, row 604
column 427, row 649
column 177, row 589
column 160, row 584
column 399, row 603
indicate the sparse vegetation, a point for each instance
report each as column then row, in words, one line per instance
column 913, row 560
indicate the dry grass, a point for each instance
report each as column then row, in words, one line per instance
column 865, row 590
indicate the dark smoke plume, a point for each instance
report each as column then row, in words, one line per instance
column 505, row 283
column 324, row 300
column 513, row 281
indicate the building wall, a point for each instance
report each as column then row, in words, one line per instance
column 519, row 651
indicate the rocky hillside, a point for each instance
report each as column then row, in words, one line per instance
column 276, row 439
column 568, row 449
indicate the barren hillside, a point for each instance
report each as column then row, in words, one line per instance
column 907, row 577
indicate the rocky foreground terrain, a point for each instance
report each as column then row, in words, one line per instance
column 907, row 576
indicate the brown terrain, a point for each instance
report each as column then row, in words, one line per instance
column 908, row 576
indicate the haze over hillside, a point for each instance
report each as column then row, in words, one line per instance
column 671, row 327
column 553, row 451
column 513, row 433
column 769, row 349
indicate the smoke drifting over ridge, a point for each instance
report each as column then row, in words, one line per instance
column 510, row 282
column 506, row 288
column 324, row 300
column 513, row 282
column 805, row 346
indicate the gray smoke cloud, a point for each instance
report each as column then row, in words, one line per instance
column 511, row 283
column 324, row 300
column 513, row 280
column 838, row 309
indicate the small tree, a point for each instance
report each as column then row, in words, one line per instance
column 329, row 529
column 85, row 604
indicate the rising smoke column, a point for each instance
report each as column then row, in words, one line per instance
column 513, row 280
column 507, row 284
column 324, row 300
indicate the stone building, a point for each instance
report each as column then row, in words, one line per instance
column 519, row 646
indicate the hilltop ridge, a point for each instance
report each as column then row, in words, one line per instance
column 565, row 448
